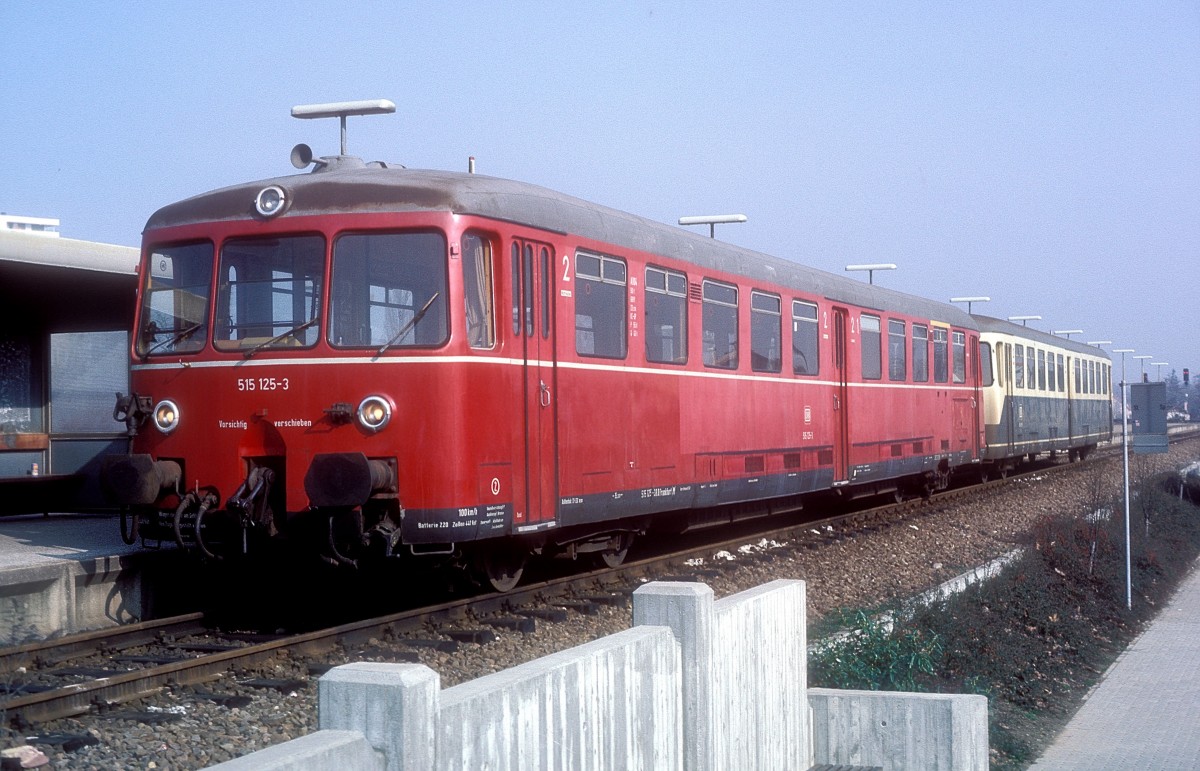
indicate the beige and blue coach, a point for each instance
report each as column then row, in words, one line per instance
column 1041, row 394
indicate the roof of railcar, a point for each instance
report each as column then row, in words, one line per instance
column 378, row 188
column 989, row 324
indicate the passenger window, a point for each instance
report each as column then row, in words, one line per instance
column 547, row 305
column 1050, row 371
column 897, row 361
column 600, row 306
column 527, row 272
column 920, row 353
column 1062, row 374
column 1078, row 378
column 872, row 367
column 477, row 290
column 941, row 355
column 805, row 349
column 960, row 357
column 766, row 333
column 1019, row 363
column 1041, row 359
column 666, row 316
column 516, row 289
column 719, row 325
column 985, row 363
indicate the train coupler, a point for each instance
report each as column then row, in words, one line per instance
column 251, row 501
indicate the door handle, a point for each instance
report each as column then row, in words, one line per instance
column 837, row 402
column 544, row 395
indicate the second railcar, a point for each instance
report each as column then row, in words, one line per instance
column 1041, row 394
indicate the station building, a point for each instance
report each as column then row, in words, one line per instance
column 68, row 311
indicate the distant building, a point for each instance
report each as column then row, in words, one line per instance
column 34, row 226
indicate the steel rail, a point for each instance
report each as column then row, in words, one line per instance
column 60, row 649
column 81, row 698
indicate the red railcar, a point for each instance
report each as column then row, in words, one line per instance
column 380, row 361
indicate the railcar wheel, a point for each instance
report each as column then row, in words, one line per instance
column 984, row 474
column 503, row 565
column 616, row 557
column 1002, row 471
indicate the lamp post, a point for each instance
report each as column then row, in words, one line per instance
column 870, row 268
column 1143, row 360
column 969, row 300
column 1068, row 332
column 712, row 220
column 1160, row 365
column 1024, row 319
column 1125, row 466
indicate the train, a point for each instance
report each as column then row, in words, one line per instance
column 367, row 363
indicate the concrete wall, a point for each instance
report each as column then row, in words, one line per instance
column 52, row 599
column 695, row 684
column 937, row 732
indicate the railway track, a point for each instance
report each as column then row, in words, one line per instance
column 188, row 652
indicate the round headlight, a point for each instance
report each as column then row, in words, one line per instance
column 374, row 412
column 166, row 416
column 270, row 201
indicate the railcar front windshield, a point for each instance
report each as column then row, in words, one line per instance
column 389, row 291
column 175, row 300
column 269, row 293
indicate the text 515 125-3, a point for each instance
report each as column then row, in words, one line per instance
column 262, row 384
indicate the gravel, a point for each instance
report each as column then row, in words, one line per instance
column 189, row 729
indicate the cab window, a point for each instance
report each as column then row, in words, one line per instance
column 389, row 291
column 477, row 290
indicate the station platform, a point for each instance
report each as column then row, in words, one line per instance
column 67, row 573
column 1142, row 713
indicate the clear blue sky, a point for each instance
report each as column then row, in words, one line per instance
column 1044, row 154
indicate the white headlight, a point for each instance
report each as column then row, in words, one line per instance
column 374, row 412
column 270, row 201
column 166, row 416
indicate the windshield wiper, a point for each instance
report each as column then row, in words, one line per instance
column 179, row 335
column 298, row 328
column 404, row 329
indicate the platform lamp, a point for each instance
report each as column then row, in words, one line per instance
column 1160, row 365
column 870, row 268
column 1125, row 467
column 1143, row 360
column 1068, row 332
column 969, row 300
column 1024, row 319
column 712, row 220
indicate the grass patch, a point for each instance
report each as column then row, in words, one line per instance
column 1035, row 637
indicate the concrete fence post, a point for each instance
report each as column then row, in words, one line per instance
column 394, row 706
column 687, row 609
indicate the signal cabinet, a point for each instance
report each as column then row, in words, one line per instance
column 1148, row 403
